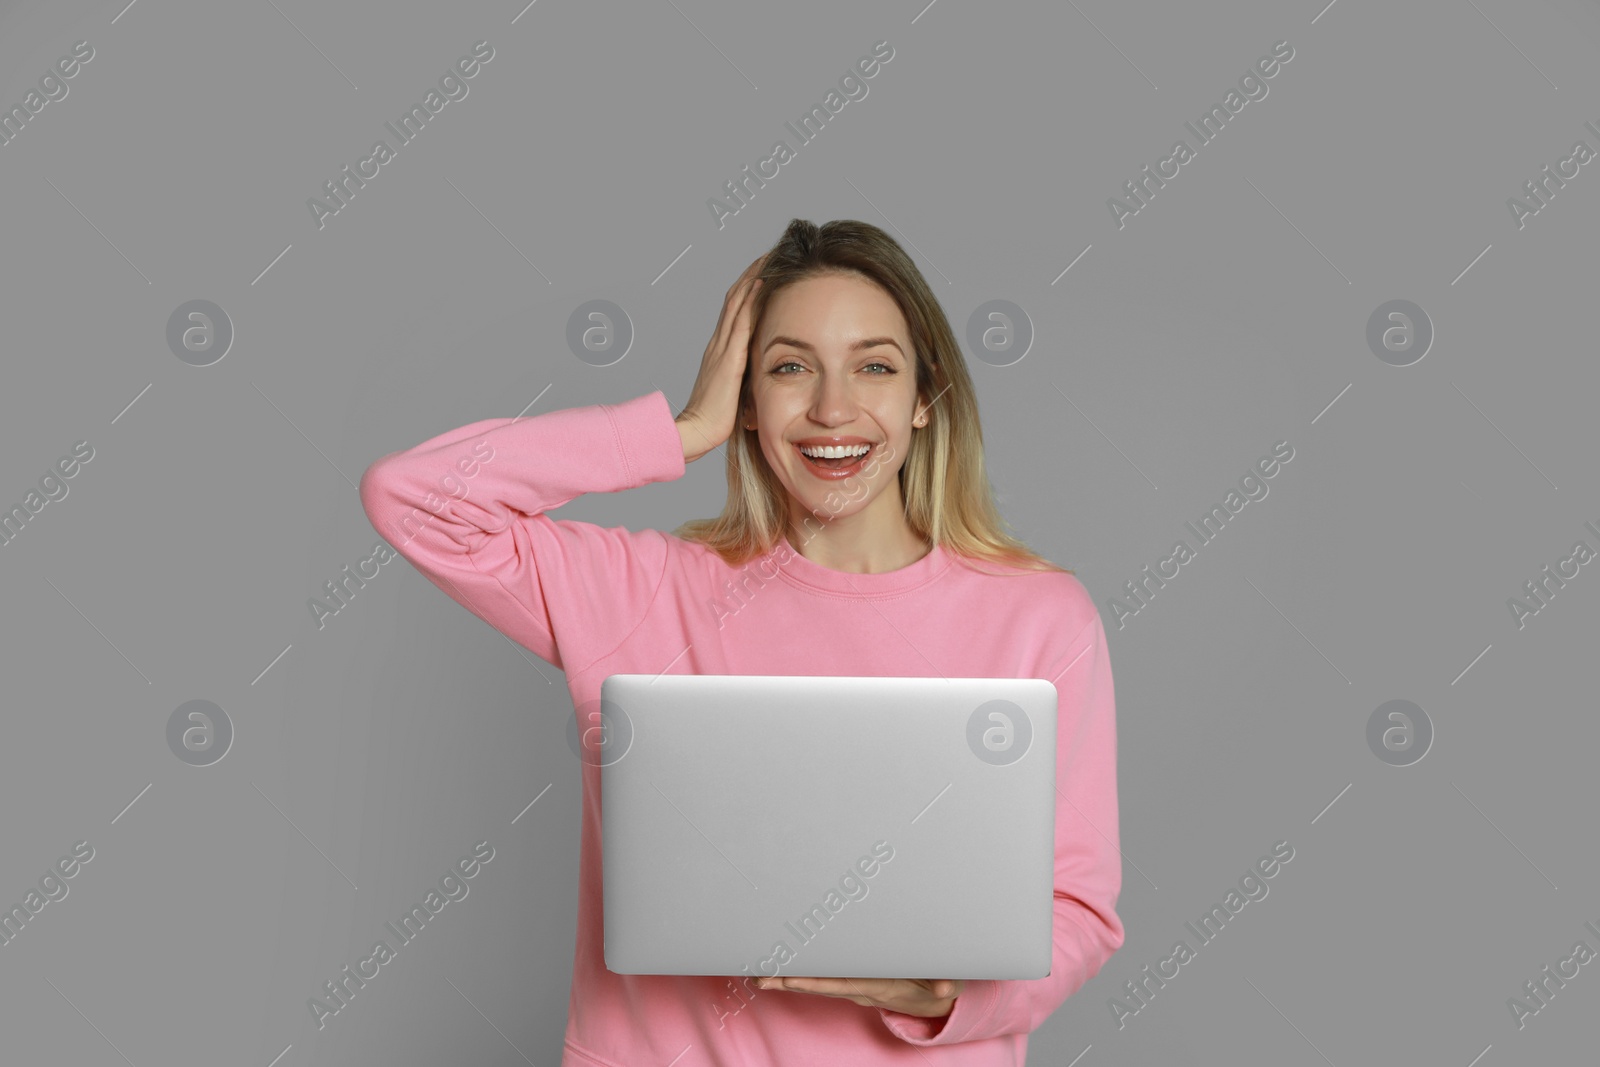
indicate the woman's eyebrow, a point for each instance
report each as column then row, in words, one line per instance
column 865, row 342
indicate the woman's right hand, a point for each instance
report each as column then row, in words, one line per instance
column 713, row 409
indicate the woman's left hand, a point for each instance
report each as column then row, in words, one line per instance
column 932, row 998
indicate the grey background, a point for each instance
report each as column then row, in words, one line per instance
column 1229, row 314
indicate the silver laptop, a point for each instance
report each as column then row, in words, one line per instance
column 827, row 826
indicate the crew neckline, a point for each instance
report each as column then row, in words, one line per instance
column 814, row 576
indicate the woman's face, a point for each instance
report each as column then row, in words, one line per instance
column 832, row 358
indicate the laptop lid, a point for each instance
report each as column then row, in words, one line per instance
column 828, row 826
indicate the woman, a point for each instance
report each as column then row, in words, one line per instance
column 885, row 558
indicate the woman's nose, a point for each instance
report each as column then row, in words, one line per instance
column 834, row 404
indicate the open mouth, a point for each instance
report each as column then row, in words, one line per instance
column 843, row 462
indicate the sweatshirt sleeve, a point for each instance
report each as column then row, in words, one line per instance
column 1088, row 865
column 466, row 508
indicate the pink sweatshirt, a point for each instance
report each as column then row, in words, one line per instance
column 467, row 508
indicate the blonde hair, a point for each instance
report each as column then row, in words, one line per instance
column 948, row 498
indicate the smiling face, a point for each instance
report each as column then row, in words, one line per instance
column 832, row 362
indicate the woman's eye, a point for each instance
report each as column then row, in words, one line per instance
column 791, row 363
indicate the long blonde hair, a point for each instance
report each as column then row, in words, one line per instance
column 947, row 494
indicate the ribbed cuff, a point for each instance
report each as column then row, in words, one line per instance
column 647, row 438
column 971, row 1010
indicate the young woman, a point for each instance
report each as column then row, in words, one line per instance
column 884, row 556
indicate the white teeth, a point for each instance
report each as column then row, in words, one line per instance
column 834, row 451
